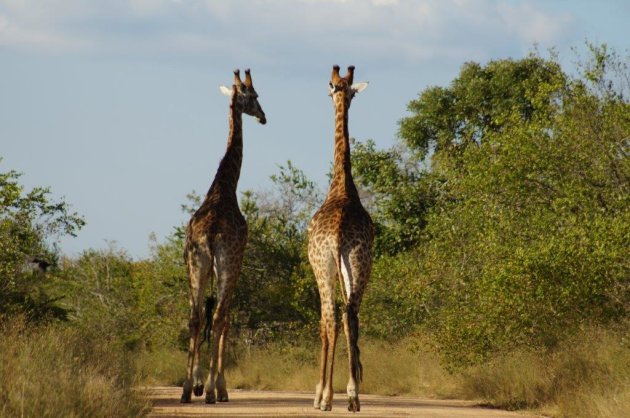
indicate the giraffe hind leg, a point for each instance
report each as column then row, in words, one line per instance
column 227, row 265
column 351, row 327
column 326, row 278
column 199, row 264
column 218, row 323
column 354, row 279
column 322, row 364
column 222, row 394
column 330, row 331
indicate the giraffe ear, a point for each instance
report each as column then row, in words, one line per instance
column 359, row 87
column 226, row 91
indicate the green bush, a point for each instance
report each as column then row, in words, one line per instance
column 30, row 222
column 525, row 236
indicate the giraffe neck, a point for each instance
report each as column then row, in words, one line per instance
column 342, row 183
column 230, row 167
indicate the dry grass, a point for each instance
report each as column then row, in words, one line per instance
column 585, row 377
column 588, row 376
column 58, row 372
column 390, row 369
column 273, row 367
column 165, row 366
column 593, row 376
column 518, row 380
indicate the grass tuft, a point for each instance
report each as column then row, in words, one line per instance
column 55, row 371
column 587, row 376
column 389, row 369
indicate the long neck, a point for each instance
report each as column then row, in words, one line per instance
column 342, row 182
column 230, row 167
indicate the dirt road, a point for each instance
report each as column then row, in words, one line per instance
column 296, row 404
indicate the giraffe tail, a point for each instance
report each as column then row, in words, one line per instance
column 208, row 326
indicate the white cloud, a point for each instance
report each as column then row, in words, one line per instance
column 378, row 29
column 149, row 7
column 37, row 37
column 384, row 2
column 531, row 24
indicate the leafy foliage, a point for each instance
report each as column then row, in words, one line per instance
column 528, row 237
column 506, row 206
column 480, row 101
column 29, row 221
column 275, row 284
column 144, row 303
column 399, row 193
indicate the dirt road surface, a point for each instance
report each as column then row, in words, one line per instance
column 247, row 403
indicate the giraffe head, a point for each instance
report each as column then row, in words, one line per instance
column 342, row 88
column 244, row 96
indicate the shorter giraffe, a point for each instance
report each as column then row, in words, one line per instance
column 215, row 241
column 340, row 240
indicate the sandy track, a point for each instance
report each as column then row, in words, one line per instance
column 297, row 404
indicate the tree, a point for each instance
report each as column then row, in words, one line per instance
column 29, row 224
column 275, row 283
column 509, row 195
column 403, row 181
column 398, row 192
column 482, row 100
column 529, row 237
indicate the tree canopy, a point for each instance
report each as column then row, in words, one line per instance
column 29, row 223
column 525, row 233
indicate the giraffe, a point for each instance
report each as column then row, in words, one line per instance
column 340, row 238
column 215, row 240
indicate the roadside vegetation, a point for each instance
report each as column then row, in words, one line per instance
column 501, row 264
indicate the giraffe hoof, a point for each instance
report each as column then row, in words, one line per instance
column 222, row 397
column 198, row 390
column 353, row 405
column 210, row 398
column 185, row 398
column 325, row 407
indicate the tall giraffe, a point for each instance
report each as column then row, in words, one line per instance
column 215, row 240
column 340, row 240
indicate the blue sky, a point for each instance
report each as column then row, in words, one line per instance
column 115, row 104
